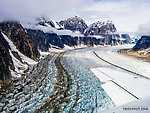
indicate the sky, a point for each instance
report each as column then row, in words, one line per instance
column 129, row 16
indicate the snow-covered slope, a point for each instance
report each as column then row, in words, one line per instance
column 20, row 64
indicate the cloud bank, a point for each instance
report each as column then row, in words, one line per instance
column 129, row 16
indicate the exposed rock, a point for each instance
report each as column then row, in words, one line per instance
column 43, row 21
column 24, row 43
column 45, row 40
column 74, row 24
column 142, row 43
column 141, row 50
column 5, row 60
column 100, row 28
column 127, row 38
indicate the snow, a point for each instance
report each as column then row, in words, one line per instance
column 110, row 54
column 19, row 67
column 121, row 38
column 13, row 48
column 96, row 36
column 123, row 87
column 43, row 54
column 66, row 48
column 17, row 64
column 101, row 76
column 55, row 50
column 118, row 95
column 56, row 25
column 74, row 47
column 15, row 74
column 140, row 88
column 49, row 29
column 141, row 106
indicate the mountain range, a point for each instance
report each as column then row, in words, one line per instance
column 19, row 46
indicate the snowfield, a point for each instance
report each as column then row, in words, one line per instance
column 110, row 54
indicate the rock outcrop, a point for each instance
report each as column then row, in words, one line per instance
column 142, row 43
column 5, row 60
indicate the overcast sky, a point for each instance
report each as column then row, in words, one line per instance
column 129, row 16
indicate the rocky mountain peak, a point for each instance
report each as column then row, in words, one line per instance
column 99, row 28
column 44, row 22
column 74, row 24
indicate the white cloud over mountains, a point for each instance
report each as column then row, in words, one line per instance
column 129, row 16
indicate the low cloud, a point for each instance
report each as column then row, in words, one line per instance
column 129, row 16
column 143, row 29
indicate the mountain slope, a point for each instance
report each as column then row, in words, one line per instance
column 142, row 43
column 141, row 50
column 5, row 58
column 18, row 51
column 20, row 38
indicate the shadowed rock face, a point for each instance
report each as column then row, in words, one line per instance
column 5, row 59
column 142, row 43
column 127, row 38
column 43, row 40
column 17, row 34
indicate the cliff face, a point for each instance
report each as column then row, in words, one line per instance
column 5, row 59
column 17, row 50
column 142, row 43
column 24, row 43
column 44, row 41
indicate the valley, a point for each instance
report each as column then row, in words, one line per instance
column 65, row 82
